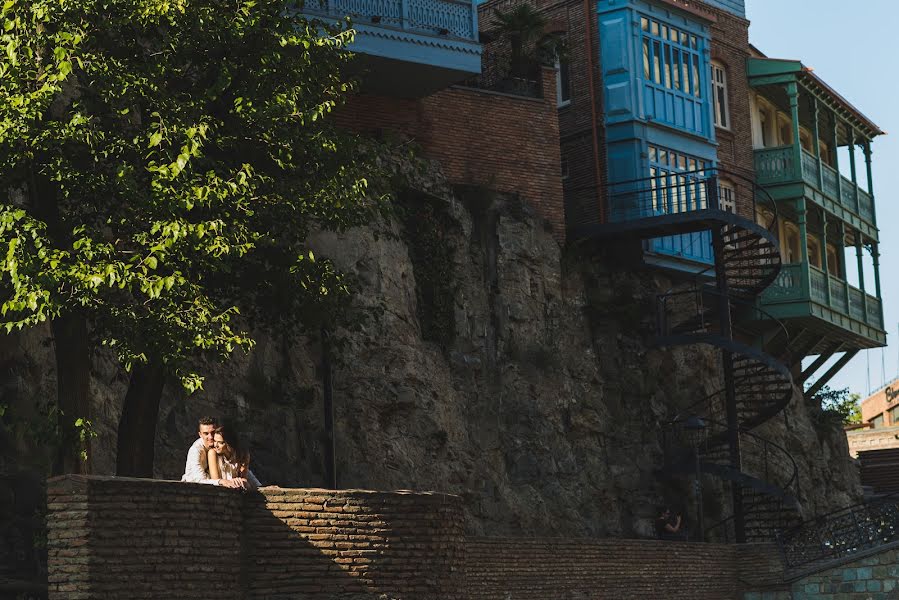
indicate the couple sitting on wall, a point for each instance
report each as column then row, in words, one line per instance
column 218, row 457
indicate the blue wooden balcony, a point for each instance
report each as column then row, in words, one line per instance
column 410, row 48
column 826, row 303
column 777, row 169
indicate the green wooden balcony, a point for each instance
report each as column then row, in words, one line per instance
column 779, row 167
column 828, row 303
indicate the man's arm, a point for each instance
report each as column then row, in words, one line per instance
column 193, row 468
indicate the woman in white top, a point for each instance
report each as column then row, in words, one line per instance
column 228, row 459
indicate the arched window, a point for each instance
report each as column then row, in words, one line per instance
column 719, row 95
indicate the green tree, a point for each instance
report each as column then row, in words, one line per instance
column 529, row 44
column 840, row 405
column 163, row 162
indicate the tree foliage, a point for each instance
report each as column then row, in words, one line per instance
column 164, row 159
column 840, row 405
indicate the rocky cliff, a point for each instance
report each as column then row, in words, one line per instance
column 489, row 365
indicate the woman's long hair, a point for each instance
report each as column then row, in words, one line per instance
column 240, row 454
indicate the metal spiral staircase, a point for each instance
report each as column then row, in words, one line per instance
column 708, row 309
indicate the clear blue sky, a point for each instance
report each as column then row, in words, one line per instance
column 853, row 47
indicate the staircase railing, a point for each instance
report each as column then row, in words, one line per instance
column 846, row 534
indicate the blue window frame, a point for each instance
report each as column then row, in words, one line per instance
column 677, row 181
column 673, row 75
column 677, row 184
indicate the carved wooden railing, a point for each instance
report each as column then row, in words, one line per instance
column 452, row 18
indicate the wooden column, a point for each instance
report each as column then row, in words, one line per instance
column 852, row 166
column 817, row 142
column 801, row 220
column 836, row 160
column 875, row 255
column 867, row 149
column 793, row 95
column 861, row 273
column 824, row 258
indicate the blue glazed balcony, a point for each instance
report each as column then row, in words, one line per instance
column 410, row 48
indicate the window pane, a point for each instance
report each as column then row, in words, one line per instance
column 663, row 157
column 564, row 81
column 657, row 72
column 644, row 23
column 667, row 66
column 652, row 154
column 684, row 39
column 693, row 42
column 647, row 69
column 685, row 68
column 675, row 61
column 673, row 36
column 722, row 114
column 696, row 91
column 655, row 28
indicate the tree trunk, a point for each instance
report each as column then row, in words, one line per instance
column 73, row 372
column 137, row 427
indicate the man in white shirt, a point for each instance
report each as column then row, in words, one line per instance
column 196, row 469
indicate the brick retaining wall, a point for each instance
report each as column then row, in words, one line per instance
column 140, row 538
column 540, row 569
column 327, row 544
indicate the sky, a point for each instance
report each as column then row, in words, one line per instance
column 852, row 46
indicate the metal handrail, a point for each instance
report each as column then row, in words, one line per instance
column 846, row 533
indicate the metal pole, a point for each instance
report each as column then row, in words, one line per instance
column 328, row 402
column 699, row 511
column 727, row 362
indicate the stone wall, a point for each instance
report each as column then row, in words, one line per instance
column 875, row 578
column 141, row 538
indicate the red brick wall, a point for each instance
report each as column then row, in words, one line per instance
column 730, row 47
column 139, row 538
column 528, row 569
column 583, row 188
column 324, row 544
column 503, row 142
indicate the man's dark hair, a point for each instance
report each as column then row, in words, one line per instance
column 207, row 421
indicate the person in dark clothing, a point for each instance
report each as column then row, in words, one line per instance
column 670, row 526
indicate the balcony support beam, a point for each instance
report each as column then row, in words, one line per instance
column 822, row 381
column 817, row 135
column 819, row 362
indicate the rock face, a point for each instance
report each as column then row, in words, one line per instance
column 535, row 392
